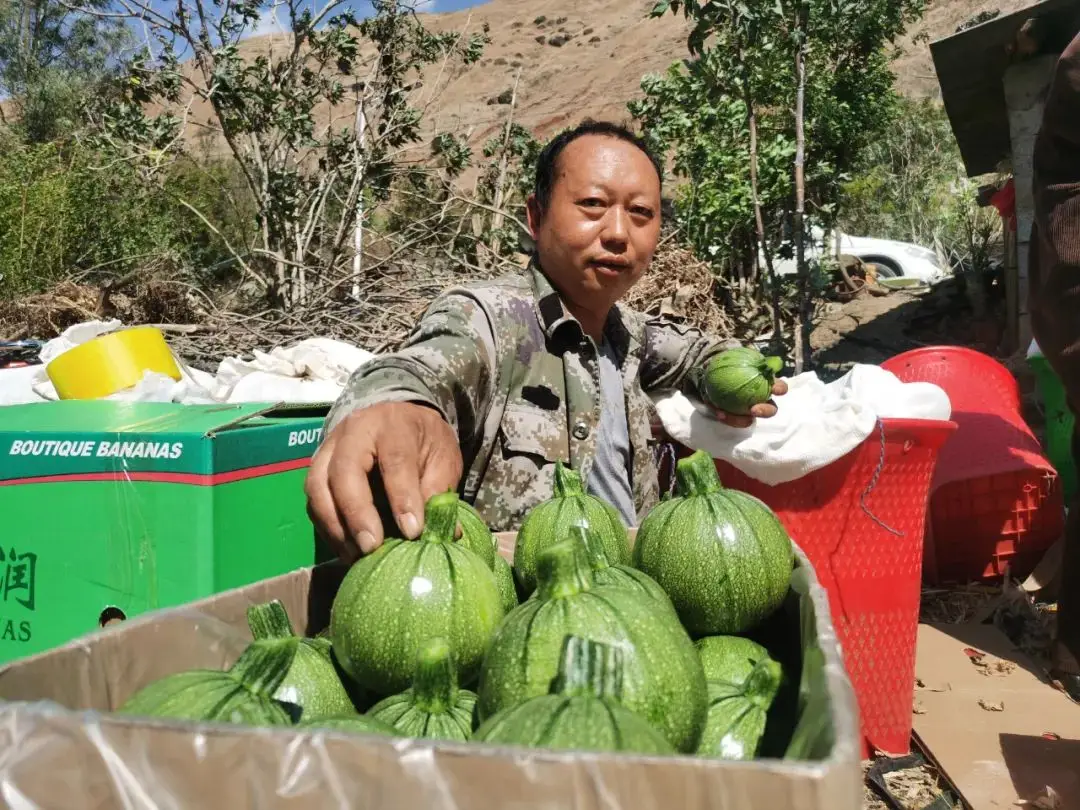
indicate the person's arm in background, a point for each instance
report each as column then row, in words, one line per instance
column 675, row 358
column 1055, row 305
column 403, row 418
column 1055, row 311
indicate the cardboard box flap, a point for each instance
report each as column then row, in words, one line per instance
column 105, row 416
column 63, row 750
column 271, row 414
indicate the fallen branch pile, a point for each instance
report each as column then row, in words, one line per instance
column 204, row 328
column 680, row 286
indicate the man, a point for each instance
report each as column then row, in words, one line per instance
column 1055, row 310
column 501, row 380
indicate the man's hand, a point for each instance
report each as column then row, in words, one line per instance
column 417, row 456
column 763, row 411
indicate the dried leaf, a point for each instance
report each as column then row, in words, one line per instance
column 998, row 706
column 920, row 684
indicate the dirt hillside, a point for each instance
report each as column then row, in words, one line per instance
column 579, row 59
column 612, row 44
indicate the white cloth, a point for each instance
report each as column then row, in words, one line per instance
column 311, row 371
column 815, row 424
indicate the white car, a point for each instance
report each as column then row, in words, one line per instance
column 893, row 259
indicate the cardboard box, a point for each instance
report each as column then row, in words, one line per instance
column 111, row 509
column 59, row 750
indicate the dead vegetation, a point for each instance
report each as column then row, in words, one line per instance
column 914, row 788
column 393, row 293
column 680, row 286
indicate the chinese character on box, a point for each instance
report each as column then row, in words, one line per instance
column 18, row 571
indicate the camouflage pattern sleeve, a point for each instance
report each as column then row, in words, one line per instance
column 674, row 356
column 447, row 362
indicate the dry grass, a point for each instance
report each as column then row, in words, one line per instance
column 205, row 328
column 915, row 788
column 682, row 287
column 956, row 605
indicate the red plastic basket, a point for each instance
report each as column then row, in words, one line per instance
column 996, row 502
column 860, row 521
column 1005, row 522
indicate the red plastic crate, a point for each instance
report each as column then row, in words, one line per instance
column 996, row 502
column 997, row 539
column 860, row 521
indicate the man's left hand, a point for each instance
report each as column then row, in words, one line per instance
column 763, row 411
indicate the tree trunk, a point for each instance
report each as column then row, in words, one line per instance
column 358, row 226
column 805, row 304
column 500, row 191
column 759, row 219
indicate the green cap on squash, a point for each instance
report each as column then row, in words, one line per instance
column 696, row 475
column 435, row 680
column 440, row 518
column 562, row 571
column 567, row 481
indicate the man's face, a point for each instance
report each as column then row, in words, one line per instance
column 601, row 227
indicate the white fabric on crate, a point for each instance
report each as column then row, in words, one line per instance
column 816, row 422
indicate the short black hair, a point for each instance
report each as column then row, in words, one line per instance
column 548, row 161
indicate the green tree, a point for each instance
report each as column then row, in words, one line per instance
column 766, row 120
column 51, row 58
column 910, row 184
column 318, row 122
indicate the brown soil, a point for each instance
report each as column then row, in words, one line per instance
column 604, row 48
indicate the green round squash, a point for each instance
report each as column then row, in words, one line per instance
column 662, row 676
column 582, row 712
column 433, row 707
column 547, row 523
column 619, row 576
column 504, row 577
column 476, row 535
column 350, row 723
column 243, row 694
column 738, row 379
column 729, row 658
column 738, row 713
column 722, row 556
column 407, row 592
column 312, row 682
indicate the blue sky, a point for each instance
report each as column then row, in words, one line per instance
column 268, row 23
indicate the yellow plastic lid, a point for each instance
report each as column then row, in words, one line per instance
column 111, row 363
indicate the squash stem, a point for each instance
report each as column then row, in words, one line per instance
column 562, row 570
column 594, row 552
column 696, row 475
column 567, row 481
column 440, row 518
column 763, row 683
column 434, row 683
column 589, row 668
column 269, row 620
column 264, row 664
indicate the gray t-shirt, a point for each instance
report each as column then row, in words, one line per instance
column 609, row 477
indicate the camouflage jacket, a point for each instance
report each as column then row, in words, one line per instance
column 512, row 371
